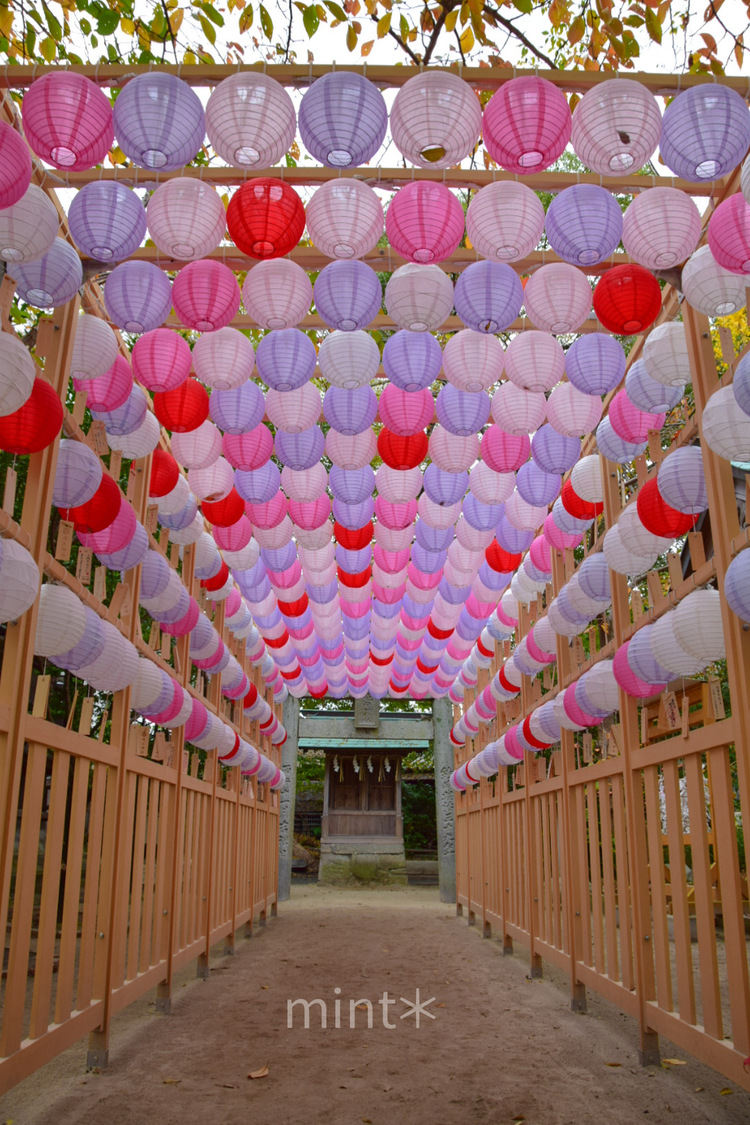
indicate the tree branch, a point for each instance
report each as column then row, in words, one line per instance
column 169, row 29
column 402, row 44
column 518, row 34
column 435, row 33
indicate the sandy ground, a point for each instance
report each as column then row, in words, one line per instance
column 502, row 1048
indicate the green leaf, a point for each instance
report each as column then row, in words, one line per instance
column 351, row 38
column 30, row 42
column 208, row 28
column 311, row 20
column 54, row 25
column 336, row 11
column 384, row 24
column 266, row 22
column 653, row 26
column 47, row 48
column 523, row 6
column 246, row 18
column 211, row 12
column 107, row 21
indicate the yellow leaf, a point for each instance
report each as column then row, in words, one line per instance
column 171, row 1081
column 351, row 38
column 127, row 26
column 175, row 20
column 726, row 1090
column 189, row 58
column 467, row 40
column 116, row 155
column 450, row 20
column 613, row 1064
column 259, row 1073
column 47, row 48
column 674, row 1062
column 576, row 30
column 366, row 48
column 384, row 25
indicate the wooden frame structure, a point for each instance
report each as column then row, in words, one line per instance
column 159, row 863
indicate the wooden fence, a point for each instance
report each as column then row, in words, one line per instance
column 621, row 864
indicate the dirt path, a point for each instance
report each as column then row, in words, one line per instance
column 501, row 1049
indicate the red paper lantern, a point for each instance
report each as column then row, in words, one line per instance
column 251, row 697
column 277, row 642
column 575, row 506
column 293, row 674
column 427, row 669
column 265, row 218
column 501, row 560
column 164, row 473
column 295, row 608
column 224, row 513
column 381, row 661
column 657, row 516
column 317, row 695
column 627, row 299
column 98, row 512
column 438, row 634
column 402, row 451
column 218, row 579
column 353, row 539
column 36, row 424
column 183, row 409
column 355, row 581
column 526, row 728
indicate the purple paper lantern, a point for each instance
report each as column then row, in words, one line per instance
column 593, row 578
column 642, row 660
column 595, row 363
column 741, row 384
column 352, row 486
column 536, row 485
column 348, row 295
column 584, row 224
column 107, row 221
column 350, row 411
column 412, row 360
column 681, row 478
column 238, row 410
column 300, row 451
column 511, row 538
column 126, row 418
column 554, row 452
column 138, row 296
column 488, row 296
column 286, row 359
column 737, row 586
column 705, row 132
column 445, row 488
column 482, row 517
column 342, row 120
column 258, row 486
column 462, row 412
column 646, row 393
column 615, row 448
column 51, row 280
column 159, row 121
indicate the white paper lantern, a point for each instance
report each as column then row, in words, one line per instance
column 602, row 688
column 61, row 621
column 294, row 411
column 580, row 601
column 345, row 218
column 224, row 359
column 562, row 625
column 250, row 120
column 174, row 501
column 396, row 486
column 620, row 559
column 504, row 221
column 277, row 293
column 351, row 451
column 534, row 361
column 586, row 479
column 668, row 652
column 616, row 127
column 28, row 229
column 636, row 539
column 488, row 486
column 19, row 580
column 451, row 453
column 17, row 373
column 198, row 448
column 349, row 359
column 517, row 411
column 182, row 715
column 117, row 666
column 571, row 412
column 698, row 627
column 473, row 361
column 140, row 442
column 725, row 427
column 95, row 348
column 212, row 483
column 439, row 516
column 709, row 288
column 661, row 228
column 306, row 485
column 558, row 298
column 524, row 516
column 436, row 119
column 665, row 355
column 419, row 298
column 147, row 685
column 193, row 531
column 186, row 218
column 562, row 715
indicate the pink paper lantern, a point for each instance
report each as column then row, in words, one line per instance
column 729, row 234
column 15, row 166
column 206, row 295
column 161, row 360
column 68, row 121
column 527, row 125
column 425, row 222
column 406, row 412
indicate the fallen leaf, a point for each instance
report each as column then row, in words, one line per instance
column 387, row 1088
column 226, row 1085
column 699, row 1089
column 726, row 1090
column 171, row 1081
column 259, row 1073
column 264, row 986
column 613, row 1064
column 520, row 1116
column 674, row 1062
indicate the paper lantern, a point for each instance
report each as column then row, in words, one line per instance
column 526, row 125
column 354, row 452
column 19, row 580
column 725, row 427
column 452, row 453
column 348, row 359
column 595, row 364
column 736, row 585
column 586, row 479
column 503, row 452
column 627, row 299
column 68, row 121
column 137, row 296
column 265, row 218
column 17, row 373
column 277, row 294
column 616, row 127
column 401, row 452
column 698, row 626
column 78, row 474
column 705, row 133
column 630, row 423
column 518, row 411
column 436, row 119
column 472, row 362
column 206, row 296
column 648, row 394
column 36, row 424
column 117, row 666
column 350, row 411
column 260, row 485
column 418, row 297
column 159, row 121
column 95, row 348
column 406, row 412
column 212, row 483
column 198, row 448
column 186, row 218
column 665, row 355
column 107, row 221
column 61, row 621
column 536, row 487
column 294, row 411
column 505, row 221
column 488, row 486
column 116, row 535
column 488, row 296
column 15, row 163
column 741, row 384
column 139, row 442
column 639, row 538
column 669, row 653
column 554, row 452
column 299, row 451
column 445, row 487
column 52, row 280
column 729, row 234
column 709, row 288
column 286, row 359
column 571, row 412
column 681, row 480
column 161, row 360
column 348, row 295
column 620, row 559
column 125, row 418
column 398, row 487
column 584, row 224
column 661, row 228
column 558, row 298
column 424, row 222
column 165, row 473
column 534, row 361
column 615, row 448
column 98, row 512
column 342, row 120
column 412, row 360
column 628, row 679
column 461, row 412
column 182, row 409
column 306, row 485
column 250, row 120
column 345, row 218
column 642, row 662
column 223, row 359
column 28, row 227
